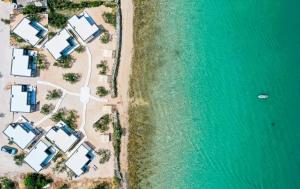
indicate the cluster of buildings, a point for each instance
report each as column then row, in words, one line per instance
column 42, row 147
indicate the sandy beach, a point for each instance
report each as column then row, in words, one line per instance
column 124, row 76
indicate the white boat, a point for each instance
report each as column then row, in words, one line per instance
column 263, row 96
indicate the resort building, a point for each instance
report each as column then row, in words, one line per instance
column 84, row 26
column 40, row 156
column 62, row 44
column 23, row 62
column 62, row 136
column 21, row 132
column 23, row 98
column 80, row 159
column 31, row 31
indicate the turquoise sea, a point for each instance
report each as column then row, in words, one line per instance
column 211, row 131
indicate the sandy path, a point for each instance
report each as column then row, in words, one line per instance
column 124, row 74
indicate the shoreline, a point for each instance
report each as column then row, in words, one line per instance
column 123, row 79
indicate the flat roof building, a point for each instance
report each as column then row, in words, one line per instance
column 21, row 132
column 40, row 155
column 31, row 31
column 84, row 26
column 62, row 44
column 23, row 62
column 62, row 136
column 80, row 159
column 23, row 98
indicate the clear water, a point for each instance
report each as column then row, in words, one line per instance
column 211, row 131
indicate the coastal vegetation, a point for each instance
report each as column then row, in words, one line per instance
column 36, row 181
column 47, row 109
column 54, row 94
column 68, row 116
column 101, row 91
column 110, row 18
column 6, row 183
column 143, row 68
column 72, row 77
column 102, row 124
column 102, row 67
column 19, row 158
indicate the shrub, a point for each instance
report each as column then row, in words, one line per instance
column 64, row 186
column 104, row 155
column 47, row 109
column 102, row 124
column 36, row 181
column 80, row 49
column 51, row 34
column 32, row 9
column 64, row 62
column 68, row 116
column 110, row 18
column 6, row 183
column 34, row 17
column 72, row 77
column 101, row 91
column 54, row 94
column 5, row 21
column 66, row 4
column 17, row 38
column 42, row 64
column 105, row 38
column 102, row 67
column 116, row 138
column 57, row 20
column 103, row 185
column 19, row 158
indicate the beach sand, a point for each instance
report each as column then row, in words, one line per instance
column 124, row 75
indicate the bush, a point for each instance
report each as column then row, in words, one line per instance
column 103, row 185
column 104, row 155
column 80, row 49
column 51, row 34
column 42, row 64
column 68, row 116
column 116, row 138
column 6, row 183
column 54, row 94
column 19, row 159
column 47, row 109
column 101, row 91
column 64, row 186
column 64, row 62
column 66, row 4
column 36, row 181
column 105, row 38
column 72, row 77
column 5, row 21
column 102, row 67
column 57, row 20
column 102, row 124
column 17, row 38
column 110, row 18
column 34, row 17
column 32, row 9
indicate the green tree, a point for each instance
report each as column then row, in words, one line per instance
column 105, row 38
column 64, row 186
column 104, row 155
column 6, row 183
column 57, row 20
column 102, row 67
column 72, row 77
column 32, row 9
column 47, row 109
column 68, row 116
column 36, row 181
column 19, row 158
column 54, row 94
column 64, row 62
column 110, row 18
column 103, row 185
column 80, row 49
column 101, row 91
column 102, row 124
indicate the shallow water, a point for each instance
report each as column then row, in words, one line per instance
column 211, row 131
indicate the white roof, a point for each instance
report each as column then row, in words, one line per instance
column 21, row 132
column 59, row 43
column 28, row 32
column 19, row 99
column 38, row 155
column 63, row 140
column 20, row 63
column 78, row 159
column 84, row 25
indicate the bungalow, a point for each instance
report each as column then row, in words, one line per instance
column 21, row 132
column 23, row 98
column 40, row 156
column 80, row 159
column 62, row 44
column 30, row 31
column 84, row 26
column 62, row 136
column 23, row 62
